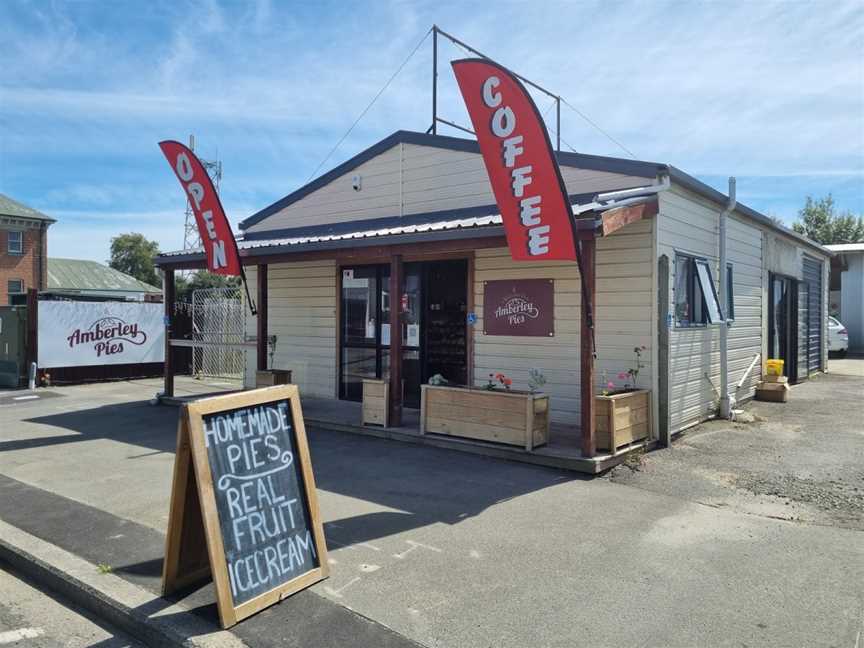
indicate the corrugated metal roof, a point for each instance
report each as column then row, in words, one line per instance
column 78, row 274
column 363, row 233
column 9, row 207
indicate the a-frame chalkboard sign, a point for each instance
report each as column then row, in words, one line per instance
column 243, row 485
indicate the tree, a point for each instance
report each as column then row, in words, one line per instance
column 202, row 279
column 133, row 254
column 819, row 221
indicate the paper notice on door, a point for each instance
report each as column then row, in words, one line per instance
column 385, row 335
column 413, row 335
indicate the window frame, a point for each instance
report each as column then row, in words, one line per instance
column 692, row 263
column 20, row 250
column 10, row 293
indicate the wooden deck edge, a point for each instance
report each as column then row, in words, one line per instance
column 575, row 464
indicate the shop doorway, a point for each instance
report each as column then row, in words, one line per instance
column 433, row 301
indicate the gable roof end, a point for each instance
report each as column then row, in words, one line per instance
column 578, row 160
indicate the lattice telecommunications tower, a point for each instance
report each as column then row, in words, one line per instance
column 191, row 237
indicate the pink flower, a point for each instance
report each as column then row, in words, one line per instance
column 623, row 375
column 610, row 384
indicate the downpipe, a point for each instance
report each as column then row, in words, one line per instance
column 726, row 404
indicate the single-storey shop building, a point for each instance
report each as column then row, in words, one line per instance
column 411, row 224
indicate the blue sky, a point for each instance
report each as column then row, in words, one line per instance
column 772, row 93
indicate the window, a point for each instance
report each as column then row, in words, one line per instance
column 696, row 302
column 730, row 293
column 14, row 287
column 15, row 243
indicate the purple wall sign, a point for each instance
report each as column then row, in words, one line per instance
column 519, row 307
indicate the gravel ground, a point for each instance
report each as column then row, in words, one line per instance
column 801, row 461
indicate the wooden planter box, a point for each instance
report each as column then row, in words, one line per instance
column 515, row 418
column 621, row 419
column 272, row 377
column 376, row 402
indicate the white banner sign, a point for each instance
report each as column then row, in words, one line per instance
column 81, row 334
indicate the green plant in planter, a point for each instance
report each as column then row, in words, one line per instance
column 630, row 377
column 536, row 380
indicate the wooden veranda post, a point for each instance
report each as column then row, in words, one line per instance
column 586, row 355
column 396, row 340
column 168, row 298
column 262, row 317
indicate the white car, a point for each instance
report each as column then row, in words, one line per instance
column 838, row 337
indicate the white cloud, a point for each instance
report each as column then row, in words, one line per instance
column 752, row 89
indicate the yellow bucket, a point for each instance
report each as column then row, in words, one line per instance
column 774, row 367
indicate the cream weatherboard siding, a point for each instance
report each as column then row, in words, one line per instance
column 744, row 252
column 414, row 179
column 623, row 319
column 689, row 224
column 302, row 314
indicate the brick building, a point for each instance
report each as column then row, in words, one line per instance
column 23, row 248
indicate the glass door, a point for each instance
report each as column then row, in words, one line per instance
column 410, row 304
column 360, row 355
column 432, row 304
column 365, row 322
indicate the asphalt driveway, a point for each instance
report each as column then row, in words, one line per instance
column 456, row 550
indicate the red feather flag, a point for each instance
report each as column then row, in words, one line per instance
column 220, row 247
column 520, row 162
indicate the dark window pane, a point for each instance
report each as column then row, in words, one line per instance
column 730, row 292
column 683, row 312
column 412, row 307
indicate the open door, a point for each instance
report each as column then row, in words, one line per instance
column 783, row 323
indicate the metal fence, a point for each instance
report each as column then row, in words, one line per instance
column 219, row 325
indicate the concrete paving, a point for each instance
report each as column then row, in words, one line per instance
column 455, row 550
column 848, row 366
column 29, row 618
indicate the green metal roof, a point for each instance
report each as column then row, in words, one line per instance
column 78, row 274
column 9, row 207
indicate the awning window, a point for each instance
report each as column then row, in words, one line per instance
column 709, row 292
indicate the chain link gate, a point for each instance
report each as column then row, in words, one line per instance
column 219, row 328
